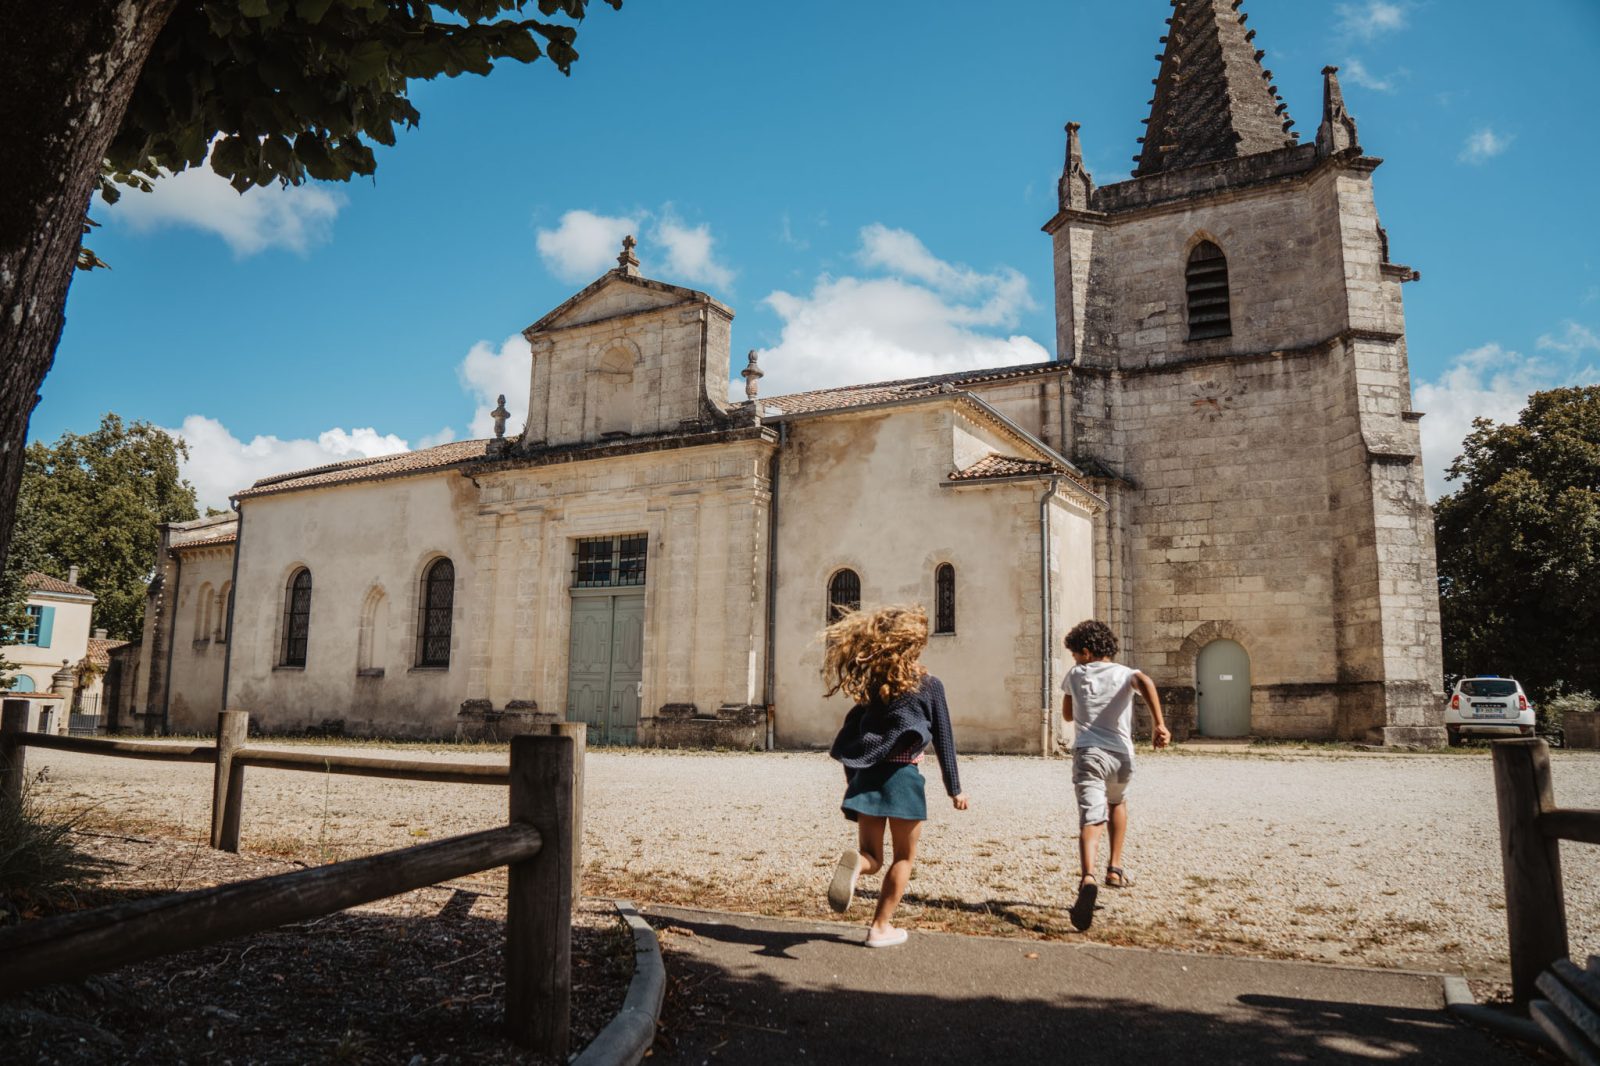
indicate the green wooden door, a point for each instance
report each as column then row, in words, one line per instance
column 1222, row 689
column 606, row 666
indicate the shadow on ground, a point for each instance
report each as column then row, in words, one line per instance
column 748, row 993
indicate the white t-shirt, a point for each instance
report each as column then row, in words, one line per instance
column 1102, row 705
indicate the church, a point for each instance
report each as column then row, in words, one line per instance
column 1222, row 462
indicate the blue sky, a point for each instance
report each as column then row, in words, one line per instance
column 863, row 183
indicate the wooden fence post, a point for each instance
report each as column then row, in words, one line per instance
column 1536, row 916
column 13, row 723
column 227, row 787
column 579, row 732
column 539, row 897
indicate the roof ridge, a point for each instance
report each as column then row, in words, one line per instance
column 351, row 464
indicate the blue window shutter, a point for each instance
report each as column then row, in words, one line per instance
column 47, row 621
column 22, row 683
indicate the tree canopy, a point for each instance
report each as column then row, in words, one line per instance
column 96, row 501
column 1519, row 547
column 107, row 93
column 290, row 89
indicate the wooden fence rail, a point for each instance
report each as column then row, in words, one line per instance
column 1531, row 830
column 231, row 755
column 539, row 846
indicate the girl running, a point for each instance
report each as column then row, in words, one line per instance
column 899, row 711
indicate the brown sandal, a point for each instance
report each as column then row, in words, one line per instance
column 1122, row 879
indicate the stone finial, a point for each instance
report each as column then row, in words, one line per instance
column 63, row 681
column 627, row 262
column 500, row 414
column 752, row 373
column 1076, row 186
column 1338, row 130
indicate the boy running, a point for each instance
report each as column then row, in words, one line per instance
column 1099, row 701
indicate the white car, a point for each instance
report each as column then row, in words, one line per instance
column 1488, row 705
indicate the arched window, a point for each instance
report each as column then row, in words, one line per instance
column 296, row 618
column 1207, row 286
column 202, row 613
column 844, row 594
column 944, row 599
column 438, row 599
column 614, row 394
column 225, row 613
column 372, row 637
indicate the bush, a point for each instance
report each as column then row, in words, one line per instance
column 1552, row 713
column 37, row 860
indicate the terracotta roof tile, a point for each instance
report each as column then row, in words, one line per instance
column 207, row 542
column 38, row 582
column 100, row 650
column 883, row 391
column 384, row 466
column 995, row 465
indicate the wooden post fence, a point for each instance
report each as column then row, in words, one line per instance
column 1536, row 915
column 579, row 733
column 227, row 790
column 13, row 723
column 539, row 896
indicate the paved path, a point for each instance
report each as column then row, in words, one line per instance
column 770, row 991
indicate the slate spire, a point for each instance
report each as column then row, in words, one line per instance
column 1213, row 99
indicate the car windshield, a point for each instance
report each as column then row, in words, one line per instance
column 1488, row 687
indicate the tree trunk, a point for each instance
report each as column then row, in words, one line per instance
column 70, row 70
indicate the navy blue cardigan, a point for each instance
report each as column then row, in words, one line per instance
column 908, row 723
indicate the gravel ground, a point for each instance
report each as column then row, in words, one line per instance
column 1386, row 860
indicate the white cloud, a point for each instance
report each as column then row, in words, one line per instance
column 1484, row 145
column 689, row 252
column 1372, row 19
column 1488, row 382
column 928, row 317
column 584, row 245
column 270, row 216
column 220, row 464
column 1575, row 339
column 1357, row 72
column 488, row 372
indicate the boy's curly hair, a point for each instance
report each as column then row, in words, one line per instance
column 874, row 654
column 1094, row 637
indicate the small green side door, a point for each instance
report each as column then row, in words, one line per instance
column 1222, row 689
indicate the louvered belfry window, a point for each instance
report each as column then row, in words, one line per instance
column 944, row 599
column 297, row 618
column 1207, row 287
column 438, row 602
column 844, row 594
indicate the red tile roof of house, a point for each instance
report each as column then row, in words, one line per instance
column 100, row 650
column 370, row 469
column 38, row 582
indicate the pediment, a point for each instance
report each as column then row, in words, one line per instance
column 615, row 294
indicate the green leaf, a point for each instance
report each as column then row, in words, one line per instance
column 255, row 9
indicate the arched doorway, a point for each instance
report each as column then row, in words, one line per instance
column 1222, row 689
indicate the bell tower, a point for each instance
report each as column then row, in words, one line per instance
column 1236, row 342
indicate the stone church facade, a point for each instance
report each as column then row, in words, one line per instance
column 1222, row 462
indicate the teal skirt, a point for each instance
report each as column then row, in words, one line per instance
column 886, row 790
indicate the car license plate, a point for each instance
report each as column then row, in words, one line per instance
column 1489, row 710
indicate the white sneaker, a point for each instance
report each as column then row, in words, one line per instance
column 843, row 888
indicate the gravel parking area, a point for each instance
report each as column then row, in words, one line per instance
column 1387, row 860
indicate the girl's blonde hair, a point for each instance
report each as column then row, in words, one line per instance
column 874, row 654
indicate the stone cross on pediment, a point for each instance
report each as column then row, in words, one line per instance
column 627, row 262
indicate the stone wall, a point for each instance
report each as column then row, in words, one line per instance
column 1269, row 483
column 866, row 490
column 367, row 545
column 201, row 645
column 704, row 510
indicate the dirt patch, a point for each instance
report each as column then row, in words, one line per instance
column 418, row 978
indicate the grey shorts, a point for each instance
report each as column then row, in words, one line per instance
column 1100, row 778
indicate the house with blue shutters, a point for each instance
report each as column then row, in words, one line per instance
column 56, row 639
